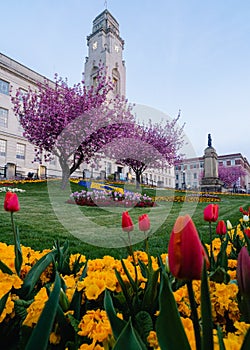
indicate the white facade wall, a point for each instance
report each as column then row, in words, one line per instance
column 104, row 44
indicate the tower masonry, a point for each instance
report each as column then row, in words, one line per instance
column 106, row 46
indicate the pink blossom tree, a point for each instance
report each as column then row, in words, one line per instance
column 151, row 145
column 72, row 123
column 230, row 175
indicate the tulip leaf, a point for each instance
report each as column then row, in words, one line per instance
column 40, row 335
column 143, row 324
column 125, row 292
column 220, row 338
column 144, row 269
column 116, row 323
column 75, row 304
column 18, row 252
column 129, row 339
column 219, row 275
column 34, row 274
column 5, row 269
column 3, row 301
column 61, row 251
column 169, row 328
column 66, row 328
column 150, row 293
column 222, row 260
column 132, row 282
column 246, row 342
column 206, row 313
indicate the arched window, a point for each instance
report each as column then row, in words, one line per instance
column 116, row 80
column 94, row 75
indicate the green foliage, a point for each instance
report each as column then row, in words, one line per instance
column 168, row 323
column 40, row 335
column 4, row 268
column 34, row 274
column 3, row 301
column 116, row 323
column 206, row 313
column 129, row 339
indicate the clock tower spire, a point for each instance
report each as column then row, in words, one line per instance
column 106, row 46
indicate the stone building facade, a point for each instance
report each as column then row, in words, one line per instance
column 105, row 46
column 189, row 172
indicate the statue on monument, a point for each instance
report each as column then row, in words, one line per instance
column 210, row 181
column 209, row 143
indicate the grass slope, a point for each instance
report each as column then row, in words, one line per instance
column 39, row 226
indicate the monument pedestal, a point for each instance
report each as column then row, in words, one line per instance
column 211, row 185
column 210, row 181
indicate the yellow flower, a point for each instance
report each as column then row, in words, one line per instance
column 152, row 340
column 189, row 330
column 35, row 309
column 74, row 258
column 54, row 338
column 95, row 325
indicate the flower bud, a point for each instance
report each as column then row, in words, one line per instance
column 127, row 223
column 245, row 218
column 221, row 228
column 185, row 251
column 242, row 272
column 11, row 202
column 144, row 222
column 229, row 225
column 247, row 232
column 211, row 212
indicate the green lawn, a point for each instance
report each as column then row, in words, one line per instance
column 39, row 226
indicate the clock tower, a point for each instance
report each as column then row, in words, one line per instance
column 106, row 46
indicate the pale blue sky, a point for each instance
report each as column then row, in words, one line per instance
column 191, row 55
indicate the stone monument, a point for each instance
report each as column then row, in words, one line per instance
column 210, row 181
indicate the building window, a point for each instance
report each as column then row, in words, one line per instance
column 20, row 151
column 237, row 162
column 109, row 168
column 4, row 87
column 177, row 176
column 22, row 93
column 52, row 161
column 195, row 176
column 3, row 148
column 228, row 162
column 3, row 117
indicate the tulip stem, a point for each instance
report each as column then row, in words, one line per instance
column 18, row 259
column 211, row 246
column 133, row 257
column 194, row 315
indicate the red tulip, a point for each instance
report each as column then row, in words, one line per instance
column 127, row 223
column 247, row 232
column 185, row 251
column 211, row 212
column 221, row 228
column 242, row 271
column 144, row 222
column 11, row 202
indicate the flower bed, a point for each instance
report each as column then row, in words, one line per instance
column 190, row 296
column 106, row 198
column 189, row 197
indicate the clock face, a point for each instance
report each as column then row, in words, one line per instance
column 94, row 46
